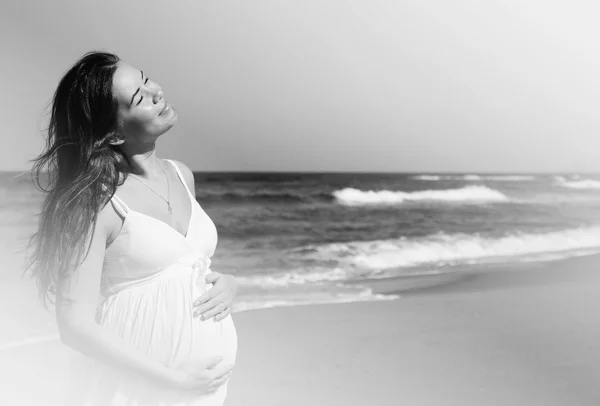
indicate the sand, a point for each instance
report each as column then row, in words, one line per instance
column 518, row 335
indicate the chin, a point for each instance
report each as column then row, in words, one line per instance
column 165, row 129
column 173, row 119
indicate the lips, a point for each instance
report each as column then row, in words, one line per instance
column 164, row 108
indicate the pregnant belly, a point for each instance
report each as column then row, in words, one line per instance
column 156, row 316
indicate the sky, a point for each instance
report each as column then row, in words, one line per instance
column 329, row 85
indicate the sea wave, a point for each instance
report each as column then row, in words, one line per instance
column 270, row 300
column 364, row 260
column 511, row 178
column 472, row 177
column 577, row 183
column 376, row 256
column 298, row 277
column 472, row 194
column 428, row 177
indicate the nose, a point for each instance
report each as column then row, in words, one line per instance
column 158, row 94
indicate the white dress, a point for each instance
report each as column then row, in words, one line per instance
column 151, row 276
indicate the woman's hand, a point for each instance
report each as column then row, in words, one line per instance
column 203, row 378
column 218, row 300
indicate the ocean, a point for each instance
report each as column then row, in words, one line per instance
column 305, row 238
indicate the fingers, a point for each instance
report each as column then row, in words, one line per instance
column 221, row 371
column 217, row 383
column 218, row 372
column 213, row 386
column 209, row 380
column 203, row 388
column 207, row 296
column 209, row 306
column 212, row 277
column 218, row 309
column 205, row 368
column 223, row 314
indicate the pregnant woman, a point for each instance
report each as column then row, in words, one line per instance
column 123, row 249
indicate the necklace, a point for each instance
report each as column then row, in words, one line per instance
column 168, row 201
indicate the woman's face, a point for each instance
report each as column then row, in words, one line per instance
column 143, row 112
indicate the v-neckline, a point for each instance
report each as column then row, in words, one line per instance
column 189, row 223
column 190, row 198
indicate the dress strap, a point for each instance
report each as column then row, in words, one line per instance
column 119, row 205
column 180, row 176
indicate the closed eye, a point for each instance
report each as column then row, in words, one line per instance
column 142, row 97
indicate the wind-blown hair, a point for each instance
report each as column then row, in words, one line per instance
column 83, row 170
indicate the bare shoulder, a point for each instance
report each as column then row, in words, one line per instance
column 188, row 175
column 109, row 222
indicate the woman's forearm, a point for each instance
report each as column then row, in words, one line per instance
column 100, row 344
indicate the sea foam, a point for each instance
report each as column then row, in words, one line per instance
column 468, row 194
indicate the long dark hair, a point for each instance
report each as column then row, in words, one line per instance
column 81, row 167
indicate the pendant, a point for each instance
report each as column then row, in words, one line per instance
column 170, row 209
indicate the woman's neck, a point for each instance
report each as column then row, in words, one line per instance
column 143, row 160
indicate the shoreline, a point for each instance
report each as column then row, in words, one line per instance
column 404, row 286
column 508, row 335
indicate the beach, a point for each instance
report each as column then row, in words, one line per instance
column 511, row 334
column 407, row 195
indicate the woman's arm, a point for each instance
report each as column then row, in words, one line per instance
column 75, row 312
column 217, row 302
column 76, row 308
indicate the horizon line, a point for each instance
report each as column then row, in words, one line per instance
column 309, row 172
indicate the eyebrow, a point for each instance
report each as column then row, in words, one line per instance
column 138, row 89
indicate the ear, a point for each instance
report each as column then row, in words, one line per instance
column 114, row 139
